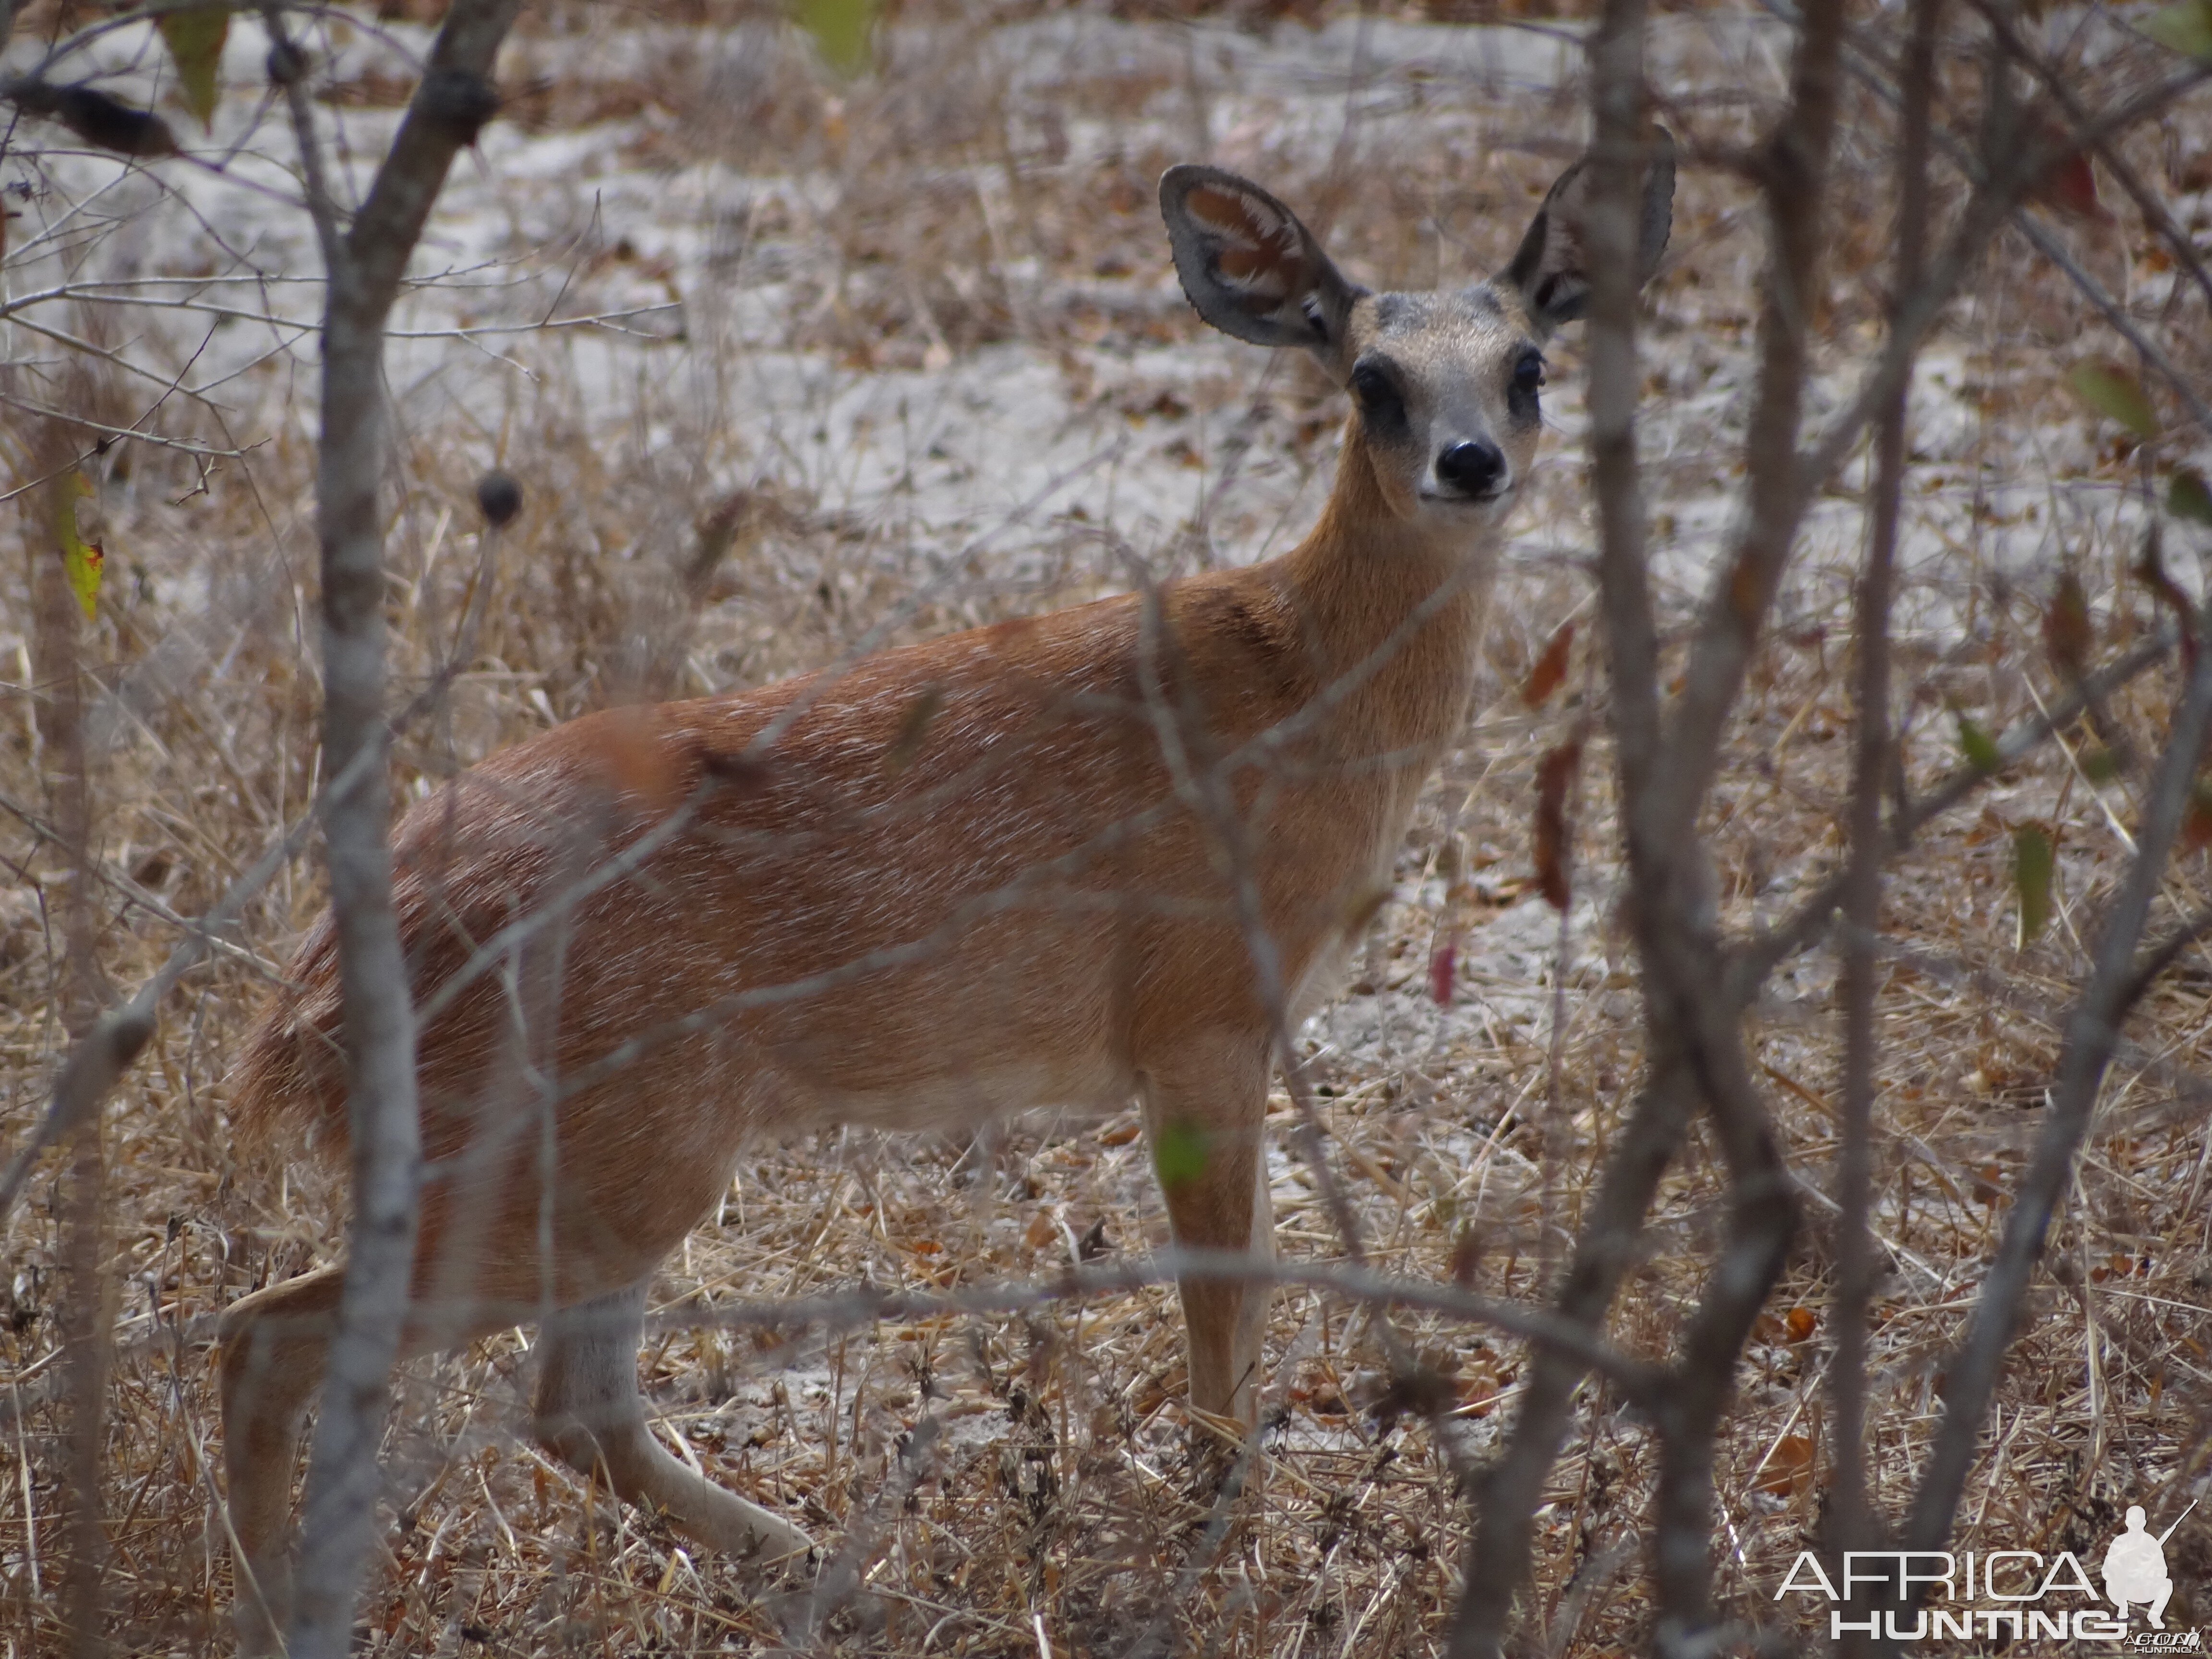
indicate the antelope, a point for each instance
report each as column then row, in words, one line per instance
column 1105, row 853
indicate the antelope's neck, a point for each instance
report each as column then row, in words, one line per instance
column 1394, row 610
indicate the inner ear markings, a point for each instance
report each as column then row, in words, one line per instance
column 1249, row 266
column 1258, row 252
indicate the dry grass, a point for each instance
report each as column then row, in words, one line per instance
column 970, row 240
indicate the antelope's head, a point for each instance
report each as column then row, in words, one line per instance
column 1446, row 384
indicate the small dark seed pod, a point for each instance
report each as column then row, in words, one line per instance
column 287, row 63
column 460, row 101
column 500, row 497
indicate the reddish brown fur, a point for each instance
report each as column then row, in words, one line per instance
column 1037, row 863
column 1042, row 743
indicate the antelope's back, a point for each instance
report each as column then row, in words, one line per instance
column 951, row 879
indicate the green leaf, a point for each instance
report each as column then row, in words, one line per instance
column 2115, row 394
column 196, row 37
column 842, row 31
column 2185, row 29
column 1179, row 1153
column 914, row 727
column 2033, row 860
column 2187, row 497
column 86, row 561
column 1979, row 748
column 2099, row 765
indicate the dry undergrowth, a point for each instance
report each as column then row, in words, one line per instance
column 985, row 211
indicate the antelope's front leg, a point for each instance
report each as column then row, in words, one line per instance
column 1203, row 1107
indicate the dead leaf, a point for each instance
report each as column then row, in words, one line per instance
column 2197, row 825
column 1789, row 1467
column 1554, row 845
column 1551, row 667
column 2066, row 631
column 1465, row 1257
column 2070, row 183
column 1479, row 1387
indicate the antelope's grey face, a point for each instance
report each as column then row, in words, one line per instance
column 1446, row 385
column 1448, row 389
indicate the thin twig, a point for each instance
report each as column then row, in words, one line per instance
column 1869, row 847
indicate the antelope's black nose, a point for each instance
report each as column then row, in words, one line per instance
column 1471, row 468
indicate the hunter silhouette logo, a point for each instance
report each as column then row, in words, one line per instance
column 2002, row 1595
column 2135, row 1567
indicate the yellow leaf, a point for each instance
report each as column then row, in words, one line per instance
column 195, row 36
column 86, row 561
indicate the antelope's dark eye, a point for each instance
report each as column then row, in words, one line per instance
column 1378, row 396
column 1521, row 389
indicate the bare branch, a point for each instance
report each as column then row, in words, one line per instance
column 1758, row 956
column 867, row 1304
column 288, row 67
column 1761, row 1226
column 1999, row 185
column 1870, row 848
column 88, row 1323
column 1511, row 1489
column 2092, row 1033
column 2164, row 954
column 450, row 103
column 2146, row 200
column 99, row 1059
column 1618, row 93
column 1792, row 170
column 2115, row 316
column 842, row 1575
column 850, row 1309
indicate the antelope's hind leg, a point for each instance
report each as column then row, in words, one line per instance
column 590, row 1414
column 274, row 1343
column 273, row 1346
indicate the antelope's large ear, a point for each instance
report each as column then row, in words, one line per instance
column 1550, row 272
column 1251, row 269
